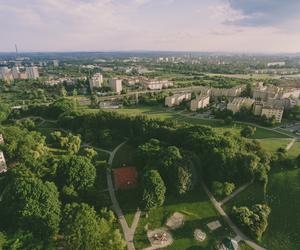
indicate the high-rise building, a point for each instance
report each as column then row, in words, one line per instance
column 96, row 81
column 5, row 74
column 55, row 63
column 32, row 72
column 116, row 85
column 15, row 73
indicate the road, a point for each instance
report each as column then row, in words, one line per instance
column 239, row 233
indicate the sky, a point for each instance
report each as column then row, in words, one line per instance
column 246, row 26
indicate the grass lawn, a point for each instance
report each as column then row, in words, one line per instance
column 244, row 246
column 295, row 150
column 198, row 212
column 272, row 145
column 284, row 200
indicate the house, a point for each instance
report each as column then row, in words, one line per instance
column 237, row 103
column 3, row 167
column 200, row 102
column 176, row 99
column 125, row 177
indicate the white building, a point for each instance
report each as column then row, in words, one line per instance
column 200, row 102
column 55, row 63
column 116, row 85
column 155, row 84
column 268, row 110
column 96, row 81
column 1, row 139
column 176, row 99
column 5, row 74
column 32, row 72
column 3, row 167
column 15, row 72
column 237, row 103
column 271, row 64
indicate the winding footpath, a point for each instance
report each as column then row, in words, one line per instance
column 128, row 232
column 239, row 233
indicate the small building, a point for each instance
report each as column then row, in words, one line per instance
column 176, row 99
column 3, row 167
column 116, row 85
column 125, row 177
column 200, row 102
column 237, row 103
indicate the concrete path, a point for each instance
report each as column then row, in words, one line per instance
column 291, row 144
column 235, row 193
column 128, row 232
column 239, row 233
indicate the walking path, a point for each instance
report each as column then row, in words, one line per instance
column 128, row 232
column 239, row 233
column 291, row 144
column 235, row 193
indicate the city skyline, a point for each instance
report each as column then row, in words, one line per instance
column 252, row 26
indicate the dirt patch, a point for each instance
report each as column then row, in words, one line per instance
column 159, row 238
column 175, row 221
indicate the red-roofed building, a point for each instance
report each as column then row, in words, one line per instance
column 125, row 177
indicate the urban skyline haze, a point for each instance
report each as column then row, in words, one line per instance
column 266, row 26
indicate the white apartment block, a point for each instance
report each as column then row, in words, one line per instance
column 176, row 99
column 15, row 72
column 200, row 102
column 232, row 92
column 96, row 81
column 237, row 103
column 3, row 167
column 32, row 72
column 6, row 74
column 157, row 84
column 55, row 63
column 269, row 110
column 116, row 85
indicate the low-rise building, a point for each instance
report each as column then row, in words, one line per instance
column 116, row 85
column 237, row 103
column 200, row 102
column 176, row 99
column 96, row 81
column 155, row 84
column 3, row 167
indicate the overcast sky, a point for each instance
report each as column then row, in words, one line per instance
column 189, row 25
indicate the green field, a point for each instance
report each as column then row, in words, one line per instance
column 283, row 197
column 295, row 150
column 198, row 212
column 272, row 145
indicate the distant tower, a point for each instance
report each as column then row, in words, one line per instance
column 17, row 52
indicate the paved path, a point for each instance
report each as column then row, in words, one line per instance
column 235, row 193
column 239, row 233
column 291, row 144
column 128, row 232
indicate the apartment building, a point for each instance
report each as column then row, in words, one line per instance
column 6, row 74
column 201, row 101
column 237, row 103
column 96, row 81
column 176, row 99
column 231, row 92
column 116, row 85
column 3, row 167
column 154, row 84
column 32, row 72
column 269, row 110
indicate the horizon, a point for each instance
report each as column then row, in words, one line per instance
column 214, row 26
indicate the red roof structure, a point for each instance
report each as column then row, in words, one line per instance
column 125, row 177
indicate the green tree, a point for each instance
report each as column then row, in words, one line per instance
column 77, row 172
column 154, row 189
column 248, row 131
column 30, row 203
column 83, row 229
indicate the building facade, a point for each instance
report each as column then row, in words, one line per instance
column 237, row 103
column 32, row 72
column 200, row 102
column 176, row 99
column 116, row 85
column 96, row 81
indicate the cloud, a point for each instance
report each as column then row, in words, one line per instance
column 264, row 12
